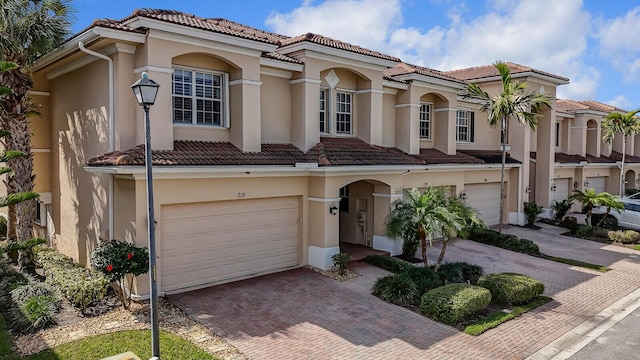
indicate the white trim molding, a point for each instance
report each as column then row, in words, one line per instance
column 324, row 200
column 152, row 68
column 367, row 91
column 38, row 93
column 391, row 196
column 245, row 82
column 407, row 105
column 305, row 80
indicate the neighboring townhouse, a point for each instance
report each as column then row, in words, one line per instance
column 268, row 150
column 582, row 159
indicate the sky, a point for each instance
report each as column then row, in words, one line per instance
column 594, row 43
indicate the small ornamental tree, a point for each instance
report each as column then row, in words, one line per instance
column 118, row 260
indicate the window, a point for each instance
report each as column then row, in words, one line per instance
column 39, row 206
column 323, row 111
column 343, row 113
column 198, row 98
column 464, row 126
column 344, row 199
column 425, row 121
column 557, row 134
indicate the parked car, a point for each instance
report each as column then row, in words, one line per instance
column 629, row 217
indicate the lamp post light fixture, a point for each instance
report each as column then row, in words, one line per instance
column 145, row 91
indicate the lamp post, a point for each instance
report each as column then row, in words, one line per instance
column 145, row 91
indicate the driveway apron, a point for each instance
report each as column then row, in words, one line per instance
column 301, row 314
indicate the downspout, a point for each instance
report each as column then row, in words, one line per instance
column 112, row 140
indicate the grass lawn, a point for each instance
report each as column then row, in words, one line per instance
column 100, row 346
column 498, row 317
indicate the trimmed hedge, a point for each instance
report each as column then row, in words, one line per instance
column 396, row 289
column 511, row 288
column 505, row 241
column 453, row 303
column 81, row 286
column 388, row 263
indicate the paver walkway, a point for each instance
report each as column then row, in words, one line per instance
column 301, row 314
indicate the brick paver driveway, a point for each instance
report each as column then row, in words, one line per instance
column 300, row 314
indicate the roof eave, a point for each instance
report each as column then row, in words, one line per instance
column 328, row 50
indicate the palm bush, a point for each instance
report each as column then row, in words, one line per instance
column 560, row 208
column 396, row 289
column 425, row 278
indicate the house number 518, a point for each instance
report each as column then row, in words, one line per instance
column 241, row 195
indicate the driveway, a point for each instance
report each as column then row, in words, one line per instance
column 300, row 314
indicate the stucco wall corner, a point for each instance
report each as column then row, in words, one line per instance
column 321, row 257
column 394, row 247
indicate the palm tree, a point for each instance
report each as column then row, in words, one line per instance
column 621, row 124
column 28, row 30
column 511, row 103
column 590, row 199
column 422, row 212
column 465, row 218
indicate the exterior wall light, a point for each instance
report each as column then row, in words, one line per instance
column 576, row 184
column 553, row 187
column 586, row 184
column 463, row 195
column 333, row 209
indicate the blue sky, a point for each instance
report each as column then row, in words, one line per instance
column 592, row 42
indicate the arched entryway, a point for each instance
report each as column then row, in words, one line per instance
column 592, row 137
column 630, row 179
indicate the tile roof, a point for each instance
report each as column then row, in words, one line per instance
column 490, row 156
column 281, row 57
column 569, row 105
column 617, row 156
column 326, row 41
column 352, row 151
column 596, row 105
column 435, row 157
column 480, row 72
column 201, row 153
column 217, row 25
column 564, row 158
column 404, row 69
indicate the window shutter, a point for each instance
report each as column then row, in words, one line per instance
column 472, row 127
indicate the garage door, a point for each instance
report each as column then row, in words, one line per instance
column 598, row 183
column 486, row 199
column 216, row 242
column 562, row 190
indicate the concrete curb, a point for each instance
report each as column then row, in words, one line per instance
column 570, row 343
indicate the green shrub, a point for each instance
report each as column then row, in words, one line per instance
column 340, row 261
column 36, row 312
column 531, row 211
column 453, row 303
column 625, row 237
column 9, row 281
column 600, row 232
column 510, row 288
column 450, row 273
column 396, row 289
column 20, row 294
column 584, row 231
column 560, row 208
column 79, row 285
column 410, row 244
column 116, row 259
column 505, row 241
column 388, row 263
column 470, row 272
column 425, row 278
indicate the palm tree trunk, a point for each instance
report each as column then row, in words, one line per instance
column 423, row 244
column 624, row 150
column 604, row 217
column 445, row 241
column 504, row 160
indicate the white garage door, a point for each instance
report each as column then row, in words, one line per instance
column 598, row 183
column 562, row 190
column 216, row 242
column 486, row 199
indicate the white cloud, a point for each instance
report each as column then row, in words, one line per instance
column 619, row 43
column 365, row 23
column 620, row 101
column 539, row 33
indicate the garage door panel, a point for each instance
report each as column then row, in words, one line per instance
column 598, row 183
column 215, row 242
column 562, row 189
column 485, row 198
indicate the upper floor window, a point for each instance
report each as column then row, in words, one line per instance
column 343, row 112
column 323, row 111
column 199, row 97
column 464, row 126
column 425, row 121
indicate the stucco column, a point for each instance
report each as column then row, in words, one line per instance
column 578, row 137
column 545, row 157
column 323, row 231
column 245, row 114
column 381, row 206
column 369, row 121
column 520, row 150
column 126, row 107
column 444, row 137
column 305, row 112
column 407, row 119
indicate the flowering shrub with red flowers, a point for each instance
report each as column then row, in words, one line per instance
column 119, row 261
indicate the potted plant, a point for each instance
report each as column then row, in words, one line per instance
column 531, row 211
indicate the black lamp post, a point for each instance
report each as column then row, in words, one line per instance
column 145, row 91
